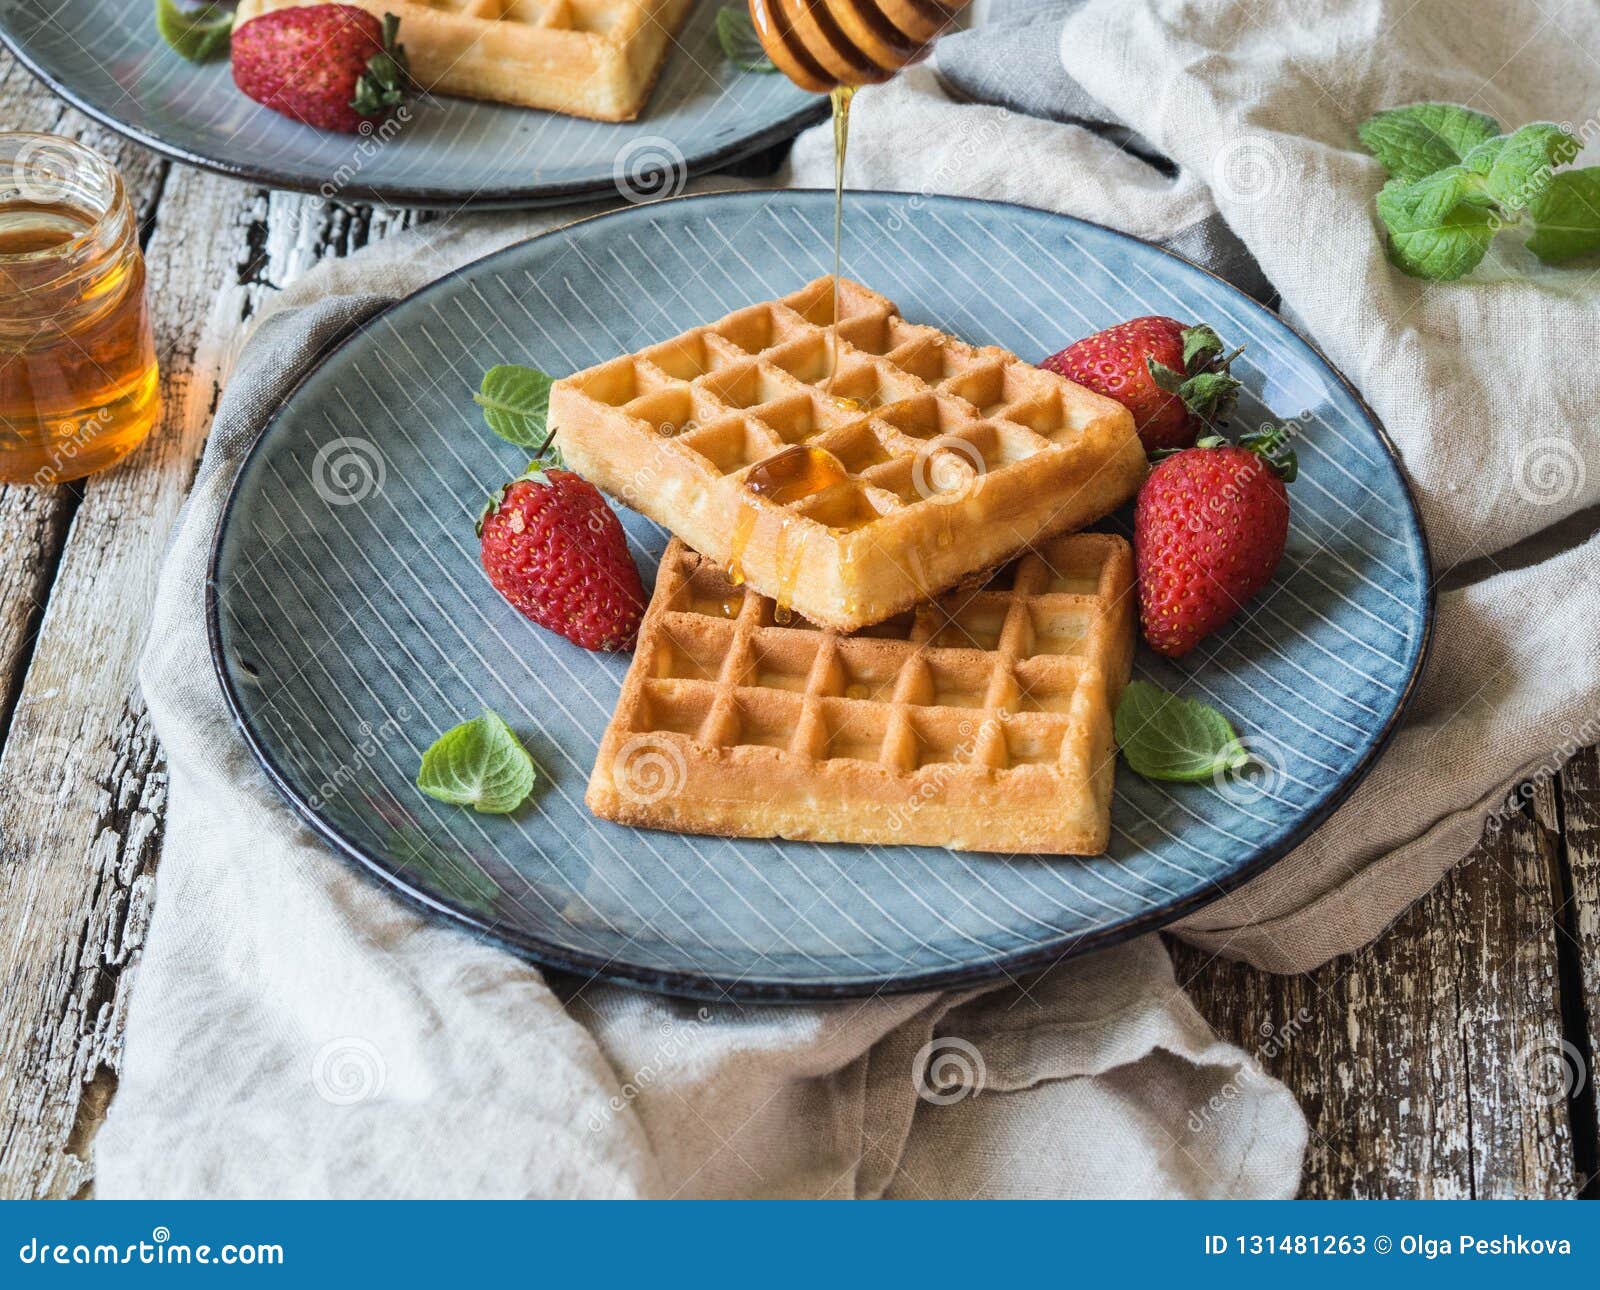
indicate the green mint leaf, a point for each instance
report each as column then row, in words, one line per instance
column 1517, row 167
column 1438, row 227
column 1200, row 343
column 480, row 764
column 1164, row 736
column 1566, row 216
column 516, row 403
column 200, row 34
column 740, row 44
column 1414, row 142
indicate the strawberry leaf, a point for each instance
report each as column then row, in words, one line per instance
column 1164, row 376
column 1200, row 342
column 388, row 76
column 1210, row 395
column 516, row 403
column 1271, row 444
column 1164, row 736
column 480, row 764
column 198, row 34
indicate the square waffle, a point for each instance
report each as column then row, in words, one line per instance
column 846, row 497
column 592, row 58
column 979, row 721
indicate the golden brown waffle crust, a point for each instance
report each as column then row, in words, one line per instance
column 980, row 722
column 957, row 456
column 590, row 58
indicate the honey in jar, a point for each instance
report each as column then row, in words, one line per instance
column 79, row 388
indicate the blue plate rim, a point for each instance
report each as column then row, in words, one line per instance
column 704, row 986
column 417, row 196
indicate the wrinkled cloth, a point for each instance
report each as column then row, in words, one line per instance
column 297, row 1031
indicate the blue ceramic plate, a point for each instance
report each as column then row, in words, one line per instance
column 105, row 57
column 352, row 623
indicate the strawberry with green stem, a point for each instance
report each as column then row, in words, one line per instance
column 1173, row 378
column 555, row 549
column 332, row 66
column 1209, row 529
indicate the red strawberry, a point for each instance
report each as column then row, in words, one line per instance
column 1174, row 379
column 1208, row 531
column 329, row 65
column 555, row 550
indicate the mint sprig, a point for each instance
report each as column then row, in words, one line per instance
column 516, row 403
column 740, row 44
column 480, row 764
column 1165, row 736
column 200, row 33
column 1456, row 181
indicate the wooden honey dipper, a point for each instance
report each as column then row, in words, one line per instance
column 824, row 44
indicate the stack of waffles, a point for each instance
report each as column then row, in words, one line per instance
column 828, row 654
column 591, row 58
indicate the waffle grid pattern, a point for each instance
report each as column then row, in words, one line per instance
column 742, row 390
column 923, row 436
column 1018, row 675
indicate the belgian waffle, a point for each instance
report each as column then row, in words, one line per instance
column 980, row 721
column 921, row 461
column 592, row 58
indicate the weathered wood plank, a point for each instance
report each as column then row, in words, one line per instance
column 1579, row 788
column 33, row 521
column 1409, row 1057
column 78, row 850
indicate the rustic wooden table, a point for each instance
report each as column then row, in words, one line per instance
column 1424, row 1063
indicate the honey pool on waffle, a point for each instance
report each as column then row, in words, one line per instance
column 980, row 721
column 921, row 460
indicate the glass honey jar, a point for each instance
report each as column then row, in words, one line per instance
column 79, row 388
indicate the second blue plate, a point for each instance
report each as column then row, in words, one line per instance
column 105, row 58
